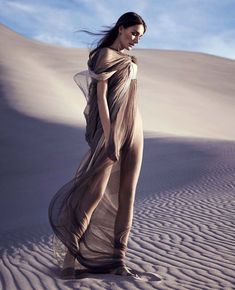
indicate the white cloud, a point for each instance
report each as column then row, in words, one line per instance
column 195, row 25
column 41, row 22
column 44, row 37
column 98, row 10
column 218, row 45
column 21, row 7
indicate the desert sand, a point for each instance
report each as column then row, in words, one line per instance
column 183, row 228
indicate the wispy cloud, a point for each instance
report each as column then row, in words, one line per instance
column 195, row 25
column 48, row 38
column 40, row 21
column 221, row 44
column 20, row 7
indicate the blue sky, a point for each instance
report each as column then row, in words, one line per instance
column 192, row 25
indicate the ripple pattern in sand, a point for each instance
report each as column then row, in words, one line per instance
column 185, row 234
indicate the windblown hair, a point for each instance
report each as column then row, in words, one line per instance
column 109, row 35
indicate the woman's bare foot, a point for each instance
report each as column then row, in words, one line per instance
column 68, row 271
column 124, row 271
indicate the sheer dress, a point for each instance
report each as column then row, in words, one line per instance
column 91, row 215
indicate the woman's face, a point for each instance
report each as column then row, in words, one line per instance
column 130, row 36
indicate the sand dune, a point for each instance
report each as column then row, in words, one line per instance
column 180, row 93
column 183, row 226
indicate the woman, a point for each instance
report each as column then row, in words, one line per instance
column 91, row 215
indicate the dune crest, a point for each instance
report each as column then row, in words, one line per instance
column 187, row 93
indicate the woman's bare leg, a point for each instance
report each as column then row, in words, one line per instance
column 130, row 170
column 69, row 260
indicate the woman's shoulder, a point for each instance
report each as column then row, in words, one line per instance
column 98, row 56
column 103, row 55
column 109, row 53
column 106, row 52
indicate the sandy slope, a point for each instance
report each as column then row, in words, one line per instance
column 183, row 227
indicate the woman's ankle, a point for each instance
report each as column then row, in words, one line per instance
column 69, row 261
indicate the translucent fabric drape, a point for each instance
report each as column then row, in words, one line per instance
column 84, row 212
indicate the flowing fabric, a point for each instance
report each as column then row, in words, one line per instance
column 91, row 215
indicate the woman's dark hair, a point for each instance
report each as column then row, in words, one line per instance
column 109, row 35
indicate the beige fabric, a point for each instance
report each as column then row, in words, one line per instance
column 92, row 214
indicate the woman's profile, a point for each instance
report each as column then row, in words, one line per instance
column 91, row 215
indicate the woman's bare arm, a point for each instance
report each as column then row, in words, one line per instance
column 102, row 89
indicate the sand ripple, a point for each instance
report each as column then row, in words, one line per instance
column 184, row 234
